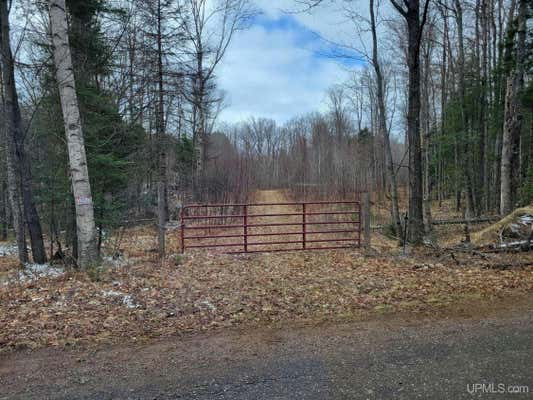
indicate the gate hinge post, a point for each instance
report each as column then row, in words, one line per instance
column 365, row 221
column 182, row 230
column 245, row 226
column 304, row 225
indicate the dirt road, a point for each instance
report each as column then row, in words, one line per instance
column 367, row 360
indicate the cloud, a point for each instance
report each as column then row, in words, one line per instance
column 277, row 69
column 330, row 19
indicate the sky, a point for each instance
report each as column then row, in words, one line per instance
column 281, row 67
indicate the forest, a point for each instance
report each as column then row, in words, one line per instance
column 259, row 199
column 111, row 114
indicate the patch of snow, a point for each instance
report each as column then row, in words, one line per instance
column 32, row 272
column 112, row 293
column 37, row 271
column 208, row 305
column 127, row 299
column 8, row 249
column 526, row 219
column 116, row 262
column 43, row 270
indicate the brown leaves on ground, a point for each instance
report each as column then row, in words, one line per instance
column 209, row 291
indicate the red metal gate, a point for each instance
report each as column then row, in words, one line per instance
column 307, row 232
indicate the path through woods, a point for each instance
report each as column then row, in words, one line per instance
column 275, row 196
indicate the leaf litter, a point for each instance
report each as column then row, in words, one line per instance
column 139, row 299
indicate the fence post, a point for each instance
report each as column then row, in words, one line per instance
column 182, row 230
column 304, row 226
column 245, row 226
column 366, row 220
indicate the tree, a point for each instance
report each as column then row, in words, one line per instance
column 209, row 29
column 160, row 131
column 465, row 132
column 81, row 188
column 15, row 133
column 512, row 128
column 415, row 26
column 383, row 130
column 162, row 45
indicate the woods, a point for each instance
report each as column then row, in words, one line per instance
column 210, row 181
column 112, row 113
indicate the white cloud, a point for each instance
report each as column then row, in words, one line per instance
column 270, row 73
column 329, row 19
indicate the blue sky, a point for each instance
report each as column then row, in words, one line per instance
column 281, row 67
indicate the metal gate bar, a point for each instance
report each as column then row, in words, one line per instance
column 248, row 228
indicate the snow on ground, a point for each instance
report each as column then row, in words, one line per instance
column 115, row 262
column 127, row 299
column 33, row 272
column 8, row 249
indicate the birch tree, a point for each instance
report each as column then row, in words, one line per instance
column 81, row 188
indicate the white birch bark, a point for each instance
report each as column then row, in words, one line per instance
column 86, row 228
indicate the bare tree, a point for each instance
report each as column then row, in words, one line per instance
column 160, row 131
column 209, row 27
column 415, row 21
column 383, row 130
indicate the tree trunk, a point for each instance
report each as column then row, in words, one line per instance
column 13, row 123
column 81, row 188
column 428, row 227
column 14, row 201
column 384, row 133
column 483, row 204
column 466, row 156
column 416, row 221
column 201, row 142
column 4, row 218
column 510, row 165
column 3, row 212
column 444, row 100
column 162, row 179
column 13, row 190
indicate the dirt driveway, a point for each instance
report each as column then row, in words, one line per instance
column 379, row 359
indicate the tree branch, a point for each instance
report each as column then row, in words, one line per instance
column 399, row 8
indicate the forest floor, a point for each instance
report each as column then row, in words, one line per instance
column 134, row 299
